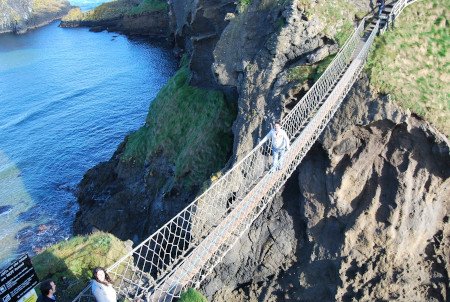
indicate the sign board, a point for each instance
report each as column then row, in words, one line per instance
column 17, row 280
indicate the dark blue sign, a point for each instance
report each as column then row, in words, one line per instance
column 18, row 279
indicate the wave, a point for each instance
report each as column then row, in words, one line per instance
column 46, row 108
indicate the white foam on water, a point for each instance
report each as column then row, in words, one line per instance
column 12, row 193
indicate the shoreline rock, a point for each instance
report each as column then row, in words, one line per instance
column 334, row 231
column 152, row 24
column 31, row 19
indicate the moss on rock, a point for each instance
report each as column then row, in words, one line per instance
column 69, row 263
column 116, row 9
column 188, row 125
column 191, row 295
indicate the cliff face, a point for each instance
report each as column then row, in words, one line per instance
column 18, row 16
column 197, row 28
column 365, row 216
column 131, row 17
column 152, row 24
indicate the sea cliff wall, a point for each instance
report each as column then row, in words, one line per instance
column 18, row 16
column 364, row 217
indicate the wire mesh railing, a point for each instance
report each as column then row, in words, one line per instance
column 185, row 250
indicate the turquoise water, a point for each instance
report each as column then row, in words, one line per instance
column 67, row 99
column 87, row 4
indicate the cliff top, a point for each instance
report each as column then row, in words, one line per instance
column 116, row 9
column 410, row 63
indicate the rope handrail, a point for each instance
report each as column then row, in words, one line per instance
column 154, row 268
column 267, row 187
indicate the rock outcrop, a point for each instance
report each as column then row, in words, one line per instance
column 365, row 217
column 127, row 199
column 18, row 16
column 153, row 24
column 197, row 27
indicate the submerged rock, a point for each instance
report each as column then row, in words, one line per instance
column 5, row 209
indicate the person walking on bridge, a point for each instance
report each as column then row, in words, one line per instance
column 380, row 7
column 280, row 143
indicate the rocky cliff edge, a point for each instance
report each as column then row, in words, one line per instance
column 365, row 217
column 18, row 16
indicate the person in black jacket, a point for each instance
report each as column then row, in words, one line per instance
column 380, row 7
column 48, row 289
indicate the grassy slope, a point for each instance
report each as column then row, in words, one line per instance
column 23, row 9
column 188, row 125
column 411, row 63
column 309, row 72
column 69, row 263
column 336, row 16
column 48, row 6
column 116, row 9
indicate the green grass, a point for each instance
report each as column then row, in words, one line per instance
column 191, row 295
column 69, row 263
column 189, row 126
column 411, row 62
column 309, row 72
column 336, row 15
column 243, row 4
column 149, row 6
column 117, row 9
column 44, row 6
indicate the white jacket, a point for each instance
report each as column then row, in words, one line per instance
column 103, row 293
column 280, row 140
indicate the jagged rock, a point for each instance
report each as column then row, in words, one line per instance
column 372, row 193
column 152, row 24
column 197, row 26
column 18, row 16
column 126, row 199
column 252, row 54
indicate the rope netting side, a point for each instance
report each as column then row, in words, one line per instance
column 211, row 251
column 154, row 258
column 152, row 262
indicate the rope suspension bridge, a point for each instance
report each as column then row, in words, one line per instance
column 188, row 247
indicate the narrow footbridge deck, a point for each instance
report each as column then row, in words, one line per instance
column 187, row 248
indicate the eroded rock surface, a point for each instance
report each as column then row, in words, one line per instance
column 18, row 16
column 365, row 217
column 369, row 210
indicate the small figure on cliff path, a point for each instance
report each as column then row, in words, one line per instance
column 380, row 7
column 48, row 289
column 102, row 286
column 280, row 144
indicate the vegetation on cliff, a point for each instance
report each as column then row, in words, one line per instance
column 311, row 72
column 16, row 14
column 334, row 16
column 70, row 263
column 191, row 295
column 411, row 63
column 116, row 9
column 48, row 6
column 189, row 125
